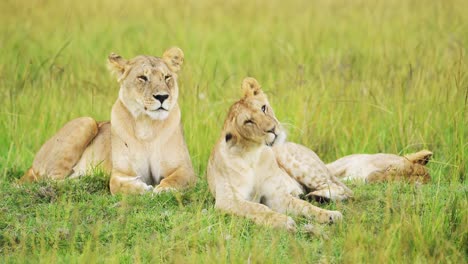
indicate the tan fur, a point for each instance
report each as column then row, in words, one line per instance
column 243, row 173
column 148, row 146
column 97, row 154
column 57, row 157
column 142, row 146
column 383, row 167
column 303, row 165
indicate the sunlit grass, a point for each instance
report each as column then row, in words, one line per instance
column 344, row 76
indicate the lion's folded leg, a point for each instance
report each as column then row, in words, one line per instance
column 56, row 158
column 333, row 190
column 256, row 212
column 303, row 165
column 296, row 206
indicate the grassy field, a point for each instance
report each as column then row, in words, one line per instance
column 344, row 76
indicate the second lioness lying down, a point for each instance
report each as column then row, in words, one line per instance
column 382, row 167
column 243, row 173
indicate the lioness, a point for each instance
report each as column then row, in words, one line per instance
column 383, row 167
column 243, row 173
column 143, row 145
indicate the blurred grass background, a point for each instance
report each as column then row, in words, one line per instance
column 344, row 76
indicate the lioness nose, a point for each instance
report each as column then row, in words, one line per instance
column 161, row 97
column 272, row 130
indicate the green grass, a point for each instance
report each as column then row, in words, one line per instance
column 345, row 76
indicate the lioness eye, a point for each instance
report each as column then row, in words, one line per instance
column 167, row 77
column 264, row 108
column 142, row 78
column 248, row 122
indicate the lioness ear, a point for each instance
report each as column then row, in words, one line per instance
column 251, row 87
column 230, row 138
column 116, row 65
column 422, row 157
column 174, row 58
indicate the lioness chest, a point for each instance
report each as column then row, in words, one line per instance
column 146, row 161
column 151, row 158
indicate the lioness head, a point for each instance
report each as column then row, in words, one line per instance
column 412, row 168
column 148, row 85
column 251, row 120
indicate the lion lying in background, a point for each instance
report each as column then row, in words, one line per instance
column 245, row 177
column 142, row 146
column 383, row 167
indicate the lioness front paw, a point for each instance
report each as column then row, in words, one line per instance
column 163, row 189
column 330, row 217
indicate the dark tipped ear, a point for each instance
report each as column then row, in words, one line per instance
column 422, row 157
column 174, row 58
column 250, row 87
column 117, row 65
column 228, row 137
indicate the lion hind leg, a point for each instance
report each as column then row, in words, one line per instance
column 97, row 154
column 303, row 165
column 333, row 190
column 56, row 158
